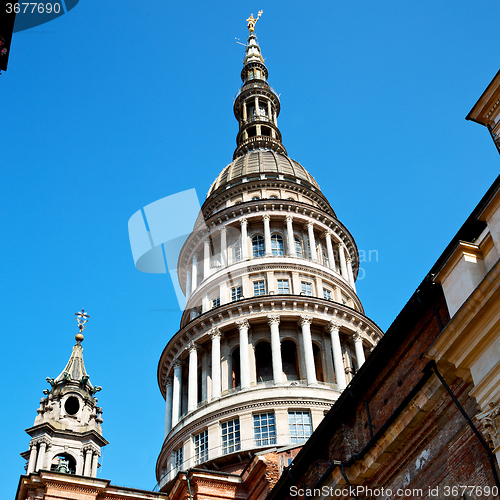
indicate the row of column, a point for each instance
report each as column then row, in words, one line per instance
column 38, row 449
column 173, row 399
column 345, row 262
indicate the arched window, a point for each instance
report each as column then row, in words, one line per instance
column 263, row 362
column 237, row 252
column 318, row 363
column 326, row 262
column 235, row 369
column 289, row 360
column 277, row 247
column 298, row 247
column 63, row 462
column 258, row 248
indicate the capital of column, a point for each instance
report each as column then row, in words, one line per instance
column 168, row 381
column 356, row 336
column 348, row 259
column 206, row 241
column 289, row 218
column 329, row 232
column 223, row 229
column 266, row 217
column 490, row 420
column 192, row 346
column 333, row 325
column 89, row 447
column 43, row 440
column 309, row 224
column 178, row 363
column 243, row 221
column 273, row 319
column 305, row 320
column 215, row 332
column 195, row 259
column 243, row 324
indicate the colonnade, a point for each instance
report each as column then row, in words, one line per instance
column 345, row 263
column 173, row 399
column 86, row 466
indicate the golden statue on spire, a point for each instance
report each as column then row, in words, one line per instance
column 251, row 21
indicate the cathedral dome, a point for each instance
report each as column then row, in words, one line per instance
column 255, row 163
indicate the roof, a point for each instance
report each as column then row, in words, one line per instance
column 75, row 368
column 261, row 162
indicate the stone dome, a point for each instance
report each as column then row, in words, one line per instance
column 262, row 162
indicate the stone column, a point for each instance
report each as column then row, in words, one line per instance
column 305, row 323
column 193, row 377
column 274, row 323
column 176, row 393
column 206, row 258
column 256, row 106
column 223, row 246
column 243, row 327
column 95, row 459
column 291, row 239
column 204, row 376
column 312, row 241
column 41, row 454
column 358, row 347
column 269, row 110
column 32, row 460
column 88, row 461
column 350, row 273
column 194, row 274
column 188, row 284
column 329, row 249
column 267, row 234
column 216, row 360
column 343, row 263
column 244, row 111
column 338, row 362
column 168, row 405
column 244, row 238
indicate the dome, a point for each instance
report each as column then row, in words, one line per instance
column 262, row 162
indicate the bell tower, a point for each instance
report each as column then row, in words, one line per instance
column 67, row 434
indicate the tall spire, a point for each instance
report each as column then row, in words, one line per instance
column 257, row 105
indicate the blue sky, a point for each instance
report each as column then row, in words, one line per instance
column 118, row 104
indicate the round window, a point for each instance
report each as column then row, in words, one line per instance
column 72, row 405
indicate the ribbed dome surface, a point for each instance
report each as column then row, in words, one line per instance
column 261, row 162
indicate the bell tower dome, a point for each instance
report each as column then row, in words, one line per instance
column 67, row 434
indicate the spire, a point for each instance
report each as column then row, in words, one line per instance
column 67, row 434
column 257, row 105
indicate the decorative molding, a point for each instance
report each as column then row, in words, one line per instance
column 215, row 332
column 273, row 319
column 243, row 323
column 490, row 420
column 305, row 320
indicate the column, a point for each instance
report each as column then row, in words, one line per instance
column 343, row 263
column 291, row 239
column 41, row 454
column 257, row 106
column 338, row 362
column 206, row 258
column 223, row 246
column 312, row 241
column 193, row 377
column 269, row 110
column 204, row 376
column 216, row 335
column 88, row 461
column 32, row 460
column 176, row 393
column 329, row 249
column 305, row 323
column 244, row 111
column 350, row 274
column 267, row 233
column 95, row 459
column 194, row 274
column 274, row 323
column 243, row 326
column 244, row 238
column 188, row 284
column 358, row 347
column 168, row 405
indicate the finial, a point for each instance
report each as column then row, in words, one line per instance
column 81, row 317
column 251, row 21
